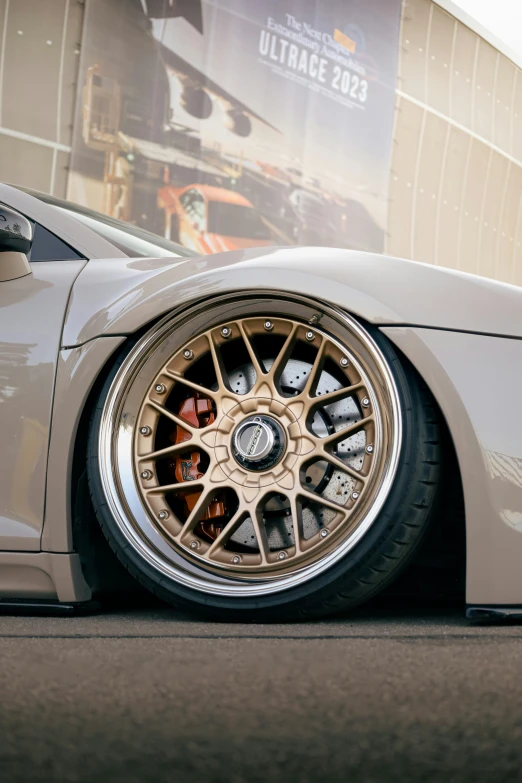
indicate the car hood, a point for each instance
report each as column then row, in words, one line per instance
column 119, row 296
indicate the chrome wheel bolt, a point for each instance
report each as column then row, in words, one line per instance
column 344, row 362
column 365, row 402
column 282, row 555
column 355, row 495
column 324, row 533
column 188, row 354
column 369, row 449
column 310, row 335
column 269, row 326
column 194, row 544
column 226, row 331
column 145, row 430
column 146, row 474
column 236, row 559
column 163, row 515
column 160, row 388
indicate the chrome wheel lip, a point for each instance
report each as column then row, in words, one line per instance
column 119, row 482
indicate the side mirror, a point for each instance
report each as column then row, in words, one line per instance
column 16, row 237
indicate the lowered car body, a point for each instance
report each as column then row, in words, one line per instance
column 83, row 339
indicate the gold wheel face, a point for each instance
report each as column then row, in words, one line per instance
column 262, row 443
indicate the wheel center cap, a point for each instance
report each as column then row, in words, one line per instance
column 258, row 443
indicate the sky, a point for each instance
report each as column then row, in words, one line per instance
column 502, row 17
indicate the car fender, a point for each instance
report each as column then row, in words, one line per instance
column 120, row 296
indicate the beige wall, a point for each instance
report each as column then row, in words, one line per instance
column 39, row 48
column 456, row 169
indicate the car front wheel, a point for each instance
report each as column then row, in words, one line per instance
column 263, row 458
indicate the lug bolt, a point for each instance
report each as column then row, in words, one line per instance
column 160, row 388
column 236, row 559
column 355, row 495
column 369, row 449
column 226, row 332
column 344, row 362
column 310, row 335
column 163, row 515
column 194, row 544
column 145, row 430
column 146, row 474
column 269, row 326
column 282, row 555
column 365, row 402
column 188, row 354
column 324, row 533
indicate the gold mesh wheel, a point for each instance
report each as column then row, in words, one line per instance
column 246, row 452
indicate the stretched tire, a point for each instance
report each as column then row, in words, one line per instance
column 263, row 458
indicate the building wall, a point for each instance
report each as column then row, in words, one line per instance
column 455, row 191
column 456, row 170
column 39, row 48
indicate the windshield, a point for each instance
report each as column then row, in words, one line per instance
column 235, row 220
column 133, row 241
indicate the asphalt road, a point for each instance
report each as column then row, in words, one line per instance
column 398, row 695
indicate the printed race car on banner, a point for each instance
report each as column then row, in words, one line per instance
column 262, row 434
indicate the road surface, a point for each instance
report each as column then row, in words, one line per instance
column 150, row 695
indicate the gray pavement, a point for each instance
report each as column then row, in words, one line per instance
column 150, row 695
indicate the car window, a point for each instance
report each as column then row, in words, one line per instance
column 48, row 247
column 132, row 240
column 139, row 243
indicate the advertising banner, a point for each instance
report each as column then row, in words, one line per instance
column 226, row 124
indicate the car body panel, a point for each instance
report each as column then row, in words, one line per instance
column 42, row 576
column 120, row 296
column 477, row 382
column 32, row 311
column 77, row 371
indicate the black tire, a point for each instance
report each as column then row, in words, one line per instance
column 378, row 558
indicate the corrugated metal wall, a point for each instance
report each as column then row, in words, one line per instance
column 456, row 170
column 39, row 47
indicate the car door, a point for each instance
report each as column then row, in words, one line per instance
column 32, row 311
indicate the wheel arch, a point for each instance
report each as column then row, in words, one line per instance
column 106, row 351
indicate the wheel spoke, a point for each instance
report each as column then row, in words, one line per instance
column 172, row 416
column 191, row 385
column 260, row 531
column 321, row 400
column 260, row 373
column 282, row 357
column 340, row 465
column 315, row 371
column 186, row 444
column 294, row 510
column 219, row 368
column 305, row 493
column 345, row 432
column 230, row 528
column 196, row 513
column 180, row 486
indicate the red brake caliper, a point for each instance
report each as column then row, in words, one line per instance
column 196, row 410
